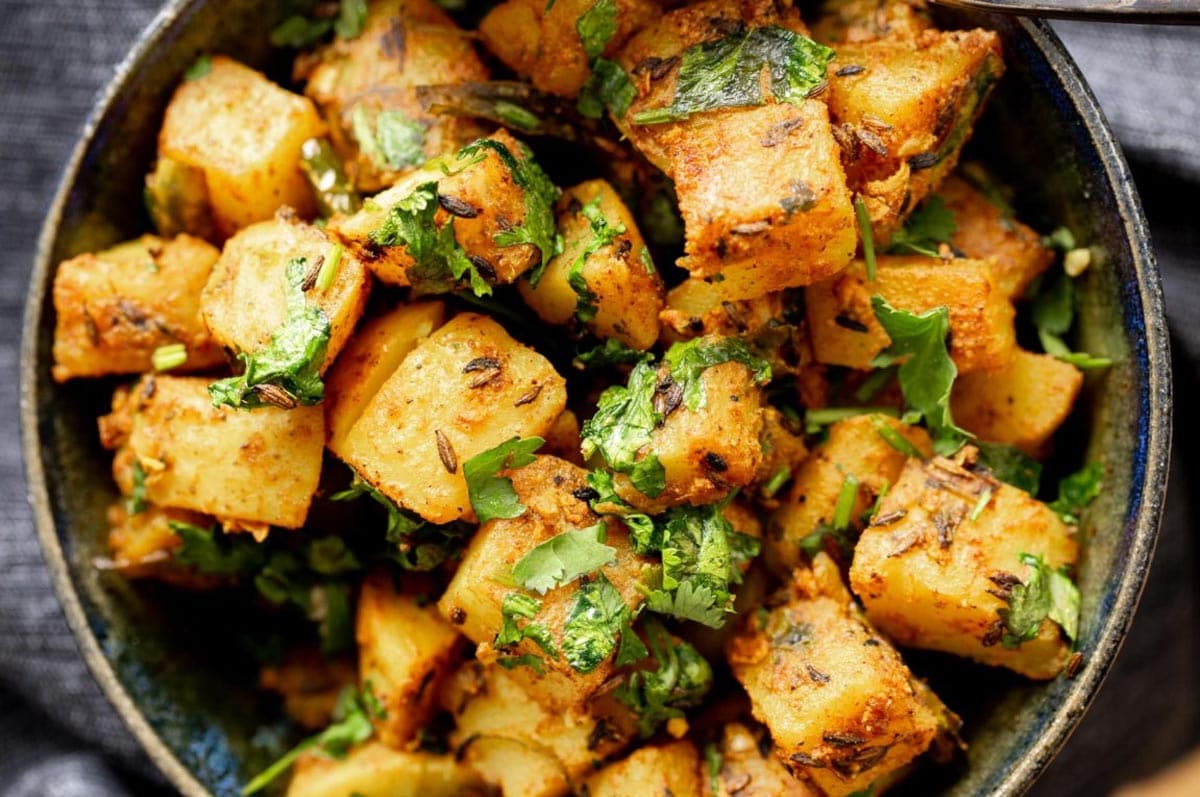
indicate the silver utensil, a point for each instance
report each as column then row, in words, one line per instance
column 1163, row 12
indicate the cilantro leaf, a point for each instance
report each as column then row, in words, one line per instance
column 611, row 352
column 1046, row 593
column 515, row 607
column 681, row 678
column 608, row 86
column 399, row 522
column 1053, row 314
column 564, row 558
column 603, row 234
column 607, row 502
column 596, row 27
column 727, row 72
column 1077, row 491
column 926, row 371
column 135, row 504
column 212, row 552
column 298, row 32
column 199, row 68
column 690, row 359
column 594, row 623
column 389, row 138
column 351, row 18
column 1011, row 465
column 287, row 371
column 624, row 420
column 493, row 496
column 927, row 227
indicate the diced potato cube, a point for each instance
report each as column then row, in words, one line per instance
column 473, row 599
column 845, row 331
column 1022, row 405
column 928, row 574
column 903, row 118
column 562, row 439
column 114, row 308
column 245, row 133
column 376, row 770
column 142, row 545
column 855, row 448
column 706, row 452
column 246, row 297
column 842, row 707
column 625, row 290
column 310, row 684
column 404, row 648
column 521, row 745
column 852, row 21
column 672, row 768
column 783, row 450
column 746, row 771
column 259, row 467
column 177, row 200
column 465, row 389
column 404, row 44
column 369, row 359
column 540, row 40
column 986, row 232
column 485, row 201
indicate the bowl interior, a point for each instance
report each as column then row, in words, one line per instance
column 184, row 678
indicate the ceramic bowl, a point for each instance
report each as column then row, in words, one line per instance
column 176, row 670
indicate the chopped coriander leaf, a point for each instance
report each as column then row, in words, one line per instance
column 515, row 607
column 1077, row 491
column 399, row 522
column 530, row 660
column 690, row 359
column 621, row 428
column 596, row 27
column 818, row 418
column 603, row 234
column 1046, row 593
column 727, row 72
column 389, row 138
column 1053, row 313
column 212, row 552
column 698, row 564
column 415, row 544
column 607, row 502
column 680, row 679
column 328, row 271
column 287, row 371
column 926, row 229
column 299, row 32
column 330, row 556
column 351, row 18
column 323, row 169
column 1061, row 239
column 594, row 622
column 439, row 260
column 199, row 68
column 1010, row 465
column 493, row 496
column 611, row 352
column 167, row 357
column 564, row 558
column 839, row 527
column 351, row 725
column 135, row 504
column 608, row 87
column 867, row 235
column 895, row 439
column 926, row 372
column 538, row 229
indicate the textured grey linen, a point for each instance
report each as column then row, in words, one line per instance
column 60, row 738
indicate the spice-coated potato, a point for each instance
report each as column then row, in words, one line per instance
column 851, row 21
column 466, row 388
column 747, row 771
column 177, row 200
column 245, row 133
column 376, row 770
column 114, row 308
column 672, row 768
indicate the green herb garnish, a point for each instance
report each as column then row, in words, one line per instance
column 926, row 229
column 135, row 504
column 597, row 618
column 1011, row 466
column 170, row 356
column 596, row 27
column 1077, row 491
column 564, row 558
column 212, row 552
column 492, row 496
column 1053, row 313
column 389, row 138
column 608, row 87
column 1045, row 594
column 681, row 678
column 199, row 68
column 603, row 234
column 867, row 235
column 611, row 352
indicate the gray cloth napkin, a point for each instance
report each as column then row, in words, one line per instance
column 60, row 738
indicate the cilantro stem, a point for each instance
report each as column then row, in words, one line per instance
column 777, row 480
column 980, row 505
column 262, row 779
column 845, row 504
column 167, row 357
column 328, row 272
column 896, row 440
column 868, row 236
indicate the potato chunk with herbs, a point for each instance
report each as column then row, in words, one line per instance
column 984, row 230
column 1022, row 405
column 842, row 708
column 366, row 88
column 246, row 300
column 113, row 309
column 465, row 389
column 486, row 216
column 481, row 598
column 258, row 467
column 944, row 565
column 902, row 110
column 604, row 277
column 852, row 21
column 747, row 771
column 245, row 133
column 177, row 200
column 370, row 358
column 672, row 768
column 376, row 770
column 860, row 459
column 404, row 648
column 846, row 332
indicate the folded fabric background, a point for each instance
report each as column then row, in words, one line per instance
column 58, row 735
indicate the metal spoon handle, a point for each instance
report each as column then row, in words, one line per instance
column 1163, row 12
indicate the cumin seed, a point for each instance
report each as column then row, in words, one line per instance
column 890, row 517
column 528, row 396
column 446, row 451
column 778, row 132
column 871, row 140
column 485, row 268
column 850, row 69
column 714, row 461
column 585, row 494
column 276, row 396
column 310, row 277
column 923, row 160
column 481, row 364
column 853, row 324
column 842, row 739
column 816, row 674
column 457, row 207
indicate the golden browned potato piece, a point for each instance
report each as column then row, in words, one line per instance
column 1022, row 405
column 404, row 648
column 309, row 683
column 541, row 41
column 621, row 292
column 376, row 770
column 473, row 599
column 477, row 192
column 246, row 298
column 465, row 389
column 855, row 448
column 845, row 331
column 761, row 189
column 142, row 544
column 783, row 450
column 370, row 357
column 928, row 574
column 562, row 439
column 245, row 133
column 988, row 232
column 842, row 708
column 114, row 308
column 746, row 771
column 902, row 109
column 258, row 467
column 708, row 451
column 672, row 768
column 852, row 21
column 177, row 200
column 366, row 88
